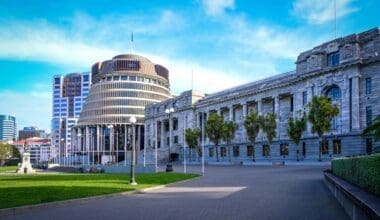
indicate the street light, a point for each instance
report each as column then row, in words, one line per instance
column 169, row 167
column 111, row 141
column 132, row 181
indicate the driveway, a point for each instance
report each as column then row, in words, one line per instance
column 225, row 192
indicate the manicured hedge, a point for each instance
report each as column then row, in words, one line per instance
column 363, row 171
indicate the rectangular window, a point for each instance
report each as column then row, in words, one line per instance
column 325, row 147
column 109, row 78
column 266, row 150
column 236, row 151
column 249, row 151
column 175, row 124
column 166, row 126
column 333, row 59
column 284, row 149
column 132, row 78
column 368, row 111
column 304, row 98
column 291, row 104
column 167, row 141
column 176, row 139
column 223, row 152
column 368, row 86
column 368, row 145
column 85, row 78
column 337, row 146
column 57, row 80
column 211, row 152
column 115, row 78
column 124, row 77
column 303, row 149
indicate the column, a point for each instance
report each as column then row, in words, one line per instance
column 277, row 112
column 245, row 110
column 138, row 145
column 309, row 98
column 259, row 107
column 87, row 130
column 162, row 134
column 98, row 142
column 355, row 111
column 231, row 113
column 170, row 133
column 125, row 144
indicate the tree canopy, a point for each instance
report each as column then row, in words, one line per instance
column 373, row 129
column 269, row 125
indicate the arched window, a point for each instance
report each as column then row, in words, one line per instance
column 334, row 93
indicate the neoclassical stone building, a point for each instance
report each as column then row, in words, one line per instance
column 345, row 69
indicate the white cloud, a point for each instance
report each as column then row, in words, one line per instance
column 322, row 11
column 217, row 7
column 30, row 109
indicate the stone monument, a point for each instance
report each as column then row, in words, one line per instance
column 25, row 167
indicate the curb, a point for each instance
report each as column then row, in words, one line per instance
column 27, row 208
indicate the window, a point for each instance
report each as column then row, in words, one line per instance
column 304, row 98
column 115, row 78
column 249, row 151
column 325, row 147
column 57, row 80
column 368, row 145
column 304, row 149
column 368, row 86
column 223, row 152
column 167, row 141
column 166, row 126
column 368, row 111
column 175, row 124
column 176, row 139
column 333, row 59
column 337, row 146
column 109, row 78
column 132, row 78
column 291, row 104
column 124, row 77
column 334, row 93
column 211, row 152
column 85, row 78
column 284, row 149
column 236, row 151
column 266, row 150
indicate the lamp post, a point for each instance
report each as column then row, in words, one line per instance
column 132, row 181
column 63, row 147
column 169, row 167
column 111, row 141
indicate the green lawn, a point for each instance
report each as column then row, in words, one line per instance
column 20, row 190
column 7, row 168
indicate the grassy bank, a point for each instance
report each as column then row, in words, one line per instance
column 7, row 168
column 20, row 190
column 363, row 171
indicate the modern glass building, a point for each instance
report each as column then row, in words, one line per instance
column 7, row 128
column 29, row 132
column 69, row 93
column 121, row 88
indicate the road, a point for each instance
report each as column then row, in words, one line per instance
column 225, row 192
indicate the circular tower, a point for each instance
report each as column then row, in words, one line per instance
column 121, row 88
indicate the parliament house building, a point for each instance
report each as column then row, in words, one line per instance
column 346, row 69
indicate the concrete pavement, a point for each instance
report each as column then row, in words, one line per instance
column 225, row 192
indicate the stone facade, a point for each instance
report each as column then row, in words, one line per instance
column 345, row 69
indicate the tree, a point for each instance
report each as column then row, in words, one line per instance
column 252, row 126
column 296, row 126
column 373, row 129
column 6, row 152
column 228, row 133
column 213, row 130
column 321, row 112
column 191, row 137
column 269, row 125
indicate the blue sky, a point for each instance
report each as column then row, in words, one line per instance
column 224, row 42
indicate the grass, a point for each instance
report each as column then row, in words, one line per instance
column 7, row 168
column 20, row 190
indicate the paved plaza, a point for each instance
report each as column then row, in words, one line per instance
column 225, row 192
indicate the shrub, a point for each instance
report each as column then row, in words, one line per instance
column 363, row 171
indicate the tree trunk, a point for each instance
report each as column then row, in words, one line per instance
column 217, row 155
column 253, row 153
column 320, row 146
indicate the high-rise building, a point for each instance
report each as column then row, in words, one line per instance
column 69, row 93
column 7, row 128
column 29, row 132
